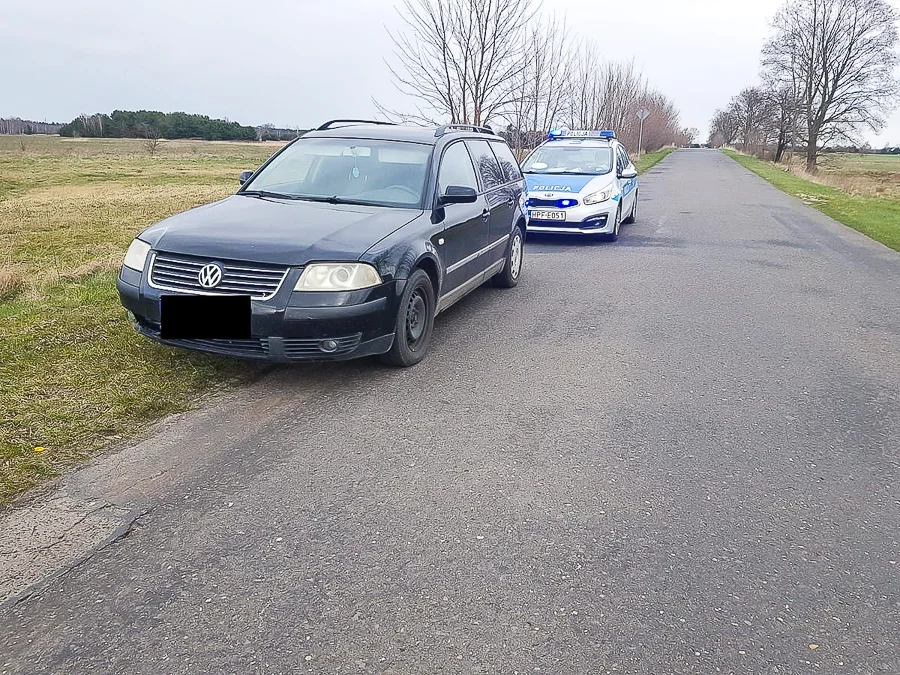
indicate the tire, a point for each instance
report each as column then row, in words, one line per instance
column 614, row 235
column 414, row 323
column 508, row 277
column 633, row 217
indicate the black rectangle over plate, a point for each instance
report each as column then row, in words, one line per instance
column 204, row 317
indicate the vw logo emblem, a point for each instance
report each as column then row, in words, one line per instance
column 210, row 275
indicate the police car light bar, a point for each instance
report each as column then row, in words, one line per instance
column 580, row 133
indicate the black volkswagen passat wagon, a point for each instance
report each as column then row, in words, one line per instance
column 345, row 243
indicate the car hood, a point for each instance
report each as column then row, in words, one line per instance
column 562, row 184
column 288, row 232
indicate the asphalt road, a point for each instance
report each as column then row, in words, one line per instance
column 673, row 454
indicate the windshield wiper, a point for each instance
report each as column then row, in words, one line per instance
column 574, row 173
column 266, row 193
column 338, row 200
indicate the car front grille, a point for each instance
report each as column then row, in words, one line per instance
column 174, row 272
column 305, row 348
column 257, row 347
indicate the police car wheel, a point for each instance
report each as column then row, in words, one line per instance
column 612, row 236
column 633, row 217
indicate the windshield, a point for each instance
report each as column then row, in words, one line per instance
column 581, row 159
column 346, row 170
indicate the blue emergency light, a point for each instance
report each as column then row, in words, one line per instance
column 580, row 133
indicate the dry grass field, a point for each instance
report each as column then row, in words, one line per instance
column 73, row 375
column 857, row 175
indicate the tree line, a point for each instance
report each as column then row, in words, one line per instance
column 827, row 74
column 16, row 126
column 151, row 124
column 500, row 62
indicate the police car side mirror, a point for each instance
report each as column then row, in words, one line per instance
column 245, row 176
column 457, row 194
column 628, row 173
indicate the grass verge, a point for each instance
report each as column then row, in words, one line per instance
column 876, row 217
column 650, row 159
column 74, row 376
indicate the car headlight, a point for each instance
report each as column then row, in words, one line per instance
column 598, row 197
column 137, row 255
column 337, row 277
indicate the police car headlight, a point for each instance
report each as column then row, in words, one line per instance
column 337, row 277
column 598, row 197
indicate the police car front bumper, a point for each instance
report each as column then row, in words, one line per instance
column 581, row 219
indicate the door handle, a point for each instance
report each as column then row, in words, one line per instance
column 485, row 214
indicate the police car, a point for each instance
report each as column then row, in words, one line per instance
column 580, row 182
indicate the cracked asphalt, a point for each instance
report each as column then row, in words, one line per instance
column 677, row 453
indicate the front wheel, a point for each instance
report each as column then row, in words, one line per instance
column 512, row 266
column 633, row 217
column 414, row 323
column 614, row 235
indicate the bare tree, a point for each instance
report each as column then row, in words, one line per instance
column 540, row 90
column 459, row 59
column 151, row 139
column 751, row 109
column 838, row 55
column 782, row 119
column 724, row 128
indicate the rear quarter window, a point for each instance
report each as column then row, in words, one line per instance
column 507, row 161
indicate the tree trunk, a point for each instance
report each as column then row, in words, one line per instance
column 811, row 155
column 782, row 144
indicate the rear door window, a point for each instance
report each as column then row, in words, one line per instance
column 486, row 163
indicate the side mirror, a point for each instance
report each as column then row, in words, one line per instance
column 245, row 176
column 628, row 173
column 457, row 194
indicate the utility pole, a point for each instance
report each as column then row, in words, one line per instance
column 642, row 115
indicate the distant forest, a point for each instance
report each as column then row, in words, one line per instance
column 154, row 124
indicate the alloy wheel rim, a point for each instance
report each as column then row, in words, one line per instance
column 515, row 257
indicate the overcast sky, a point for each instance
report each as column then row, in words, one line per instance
column 298, row 62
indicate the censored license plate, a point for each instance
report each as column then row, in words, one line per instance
column 204, row 317
column 547, row 215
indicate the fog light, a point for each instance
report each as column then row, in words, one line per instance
column 328, row 345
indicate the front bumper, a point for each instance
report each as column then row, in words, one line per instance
column 290, row 326
column 581, row 219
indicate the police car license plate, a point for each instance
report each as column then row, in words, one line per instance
column 547, row 215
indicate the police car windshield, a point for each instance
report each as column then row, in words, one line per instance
column 346, row 171
column 559, row 158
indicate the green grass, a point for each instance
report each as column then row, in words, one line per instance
column 74, row 377
column 650, row 159
column 874, row 216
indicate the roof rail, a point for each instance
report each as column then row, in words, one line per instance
column 447, row 128
column 329, row 124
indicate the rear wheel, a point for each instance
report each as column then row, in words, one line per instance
column 414, row 323
column 512, row 266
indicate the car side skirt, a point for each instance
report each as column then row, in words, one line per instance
column 467, row 287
